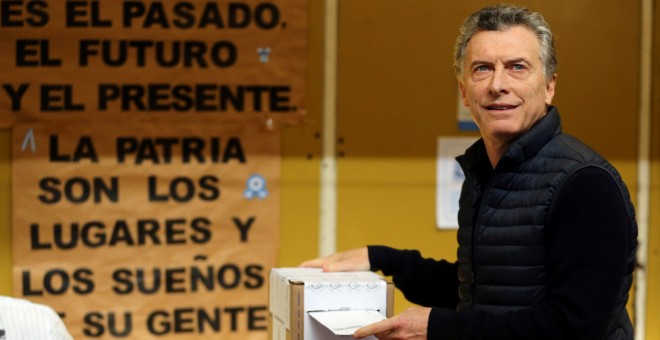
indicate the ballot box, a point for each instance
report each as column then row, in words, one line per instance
column 309, row 304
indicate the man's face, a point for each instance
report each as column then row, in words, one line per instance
column 503, row 84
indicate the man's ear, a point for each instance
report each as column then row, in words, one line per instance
column 550, row 89
column 462, row 88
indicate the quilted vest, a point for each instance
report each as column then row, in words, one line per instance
column 503, row 213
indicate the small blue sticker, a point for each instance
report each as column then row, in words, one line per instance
column 256, row 187
column 264, row 54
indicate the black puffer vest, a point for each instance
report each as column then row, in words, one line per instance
column 502, row 215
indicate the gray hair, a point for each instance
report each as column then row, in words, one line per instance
column 501, row 18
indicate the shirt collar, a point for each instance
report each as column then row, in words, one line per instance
column 527, row 145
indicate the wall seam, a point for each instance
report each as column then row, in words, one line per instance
column 328, row 190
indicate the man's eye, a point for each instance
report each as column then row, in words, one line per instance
column 518, row 67
column 481, row 68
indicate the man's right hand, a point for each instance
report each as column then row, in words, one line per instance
column 350, row 260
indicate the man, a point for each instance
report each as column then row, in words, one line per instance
column 547, row 232
column 22, row 319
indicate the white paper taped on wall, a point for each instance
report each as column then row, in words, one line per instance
column 346, row 322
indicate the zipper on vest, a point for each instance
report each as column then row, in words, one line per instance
column 480, row 191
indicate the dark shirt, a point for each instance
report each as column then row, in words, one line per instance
column 586, row 242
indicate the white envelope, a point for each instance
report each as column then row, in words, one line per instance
column 346, row 322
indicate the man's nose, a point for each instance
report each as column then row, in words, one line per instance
column 499, row 82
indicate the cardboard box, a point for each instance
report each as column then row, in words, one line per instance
column 299, row 298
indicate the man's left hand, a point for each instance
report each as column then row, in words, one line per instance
column 412, row 324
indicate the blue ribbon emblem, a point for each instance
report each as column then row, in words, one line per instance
column 256, row 187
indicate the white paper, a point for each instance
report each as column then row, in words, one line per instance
column 346, row 322
column 449, row 179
